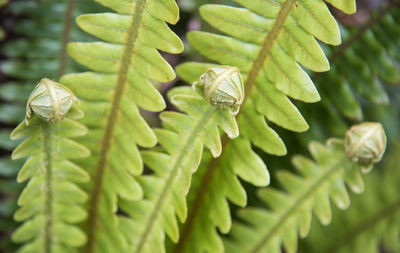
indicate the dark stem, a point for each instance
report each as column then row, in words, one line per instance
column 249, row 85
column 65, row 38
column 112, row 119
column 174, row 172
column 47, row 161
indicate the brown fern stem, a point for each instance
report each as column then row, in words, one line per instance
column 65, row 38
column 263, row 54
column 112, row 119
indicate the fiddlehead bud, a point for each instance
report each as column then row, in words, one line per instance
column 50, row 101
column 365, row 144
column 222, row 86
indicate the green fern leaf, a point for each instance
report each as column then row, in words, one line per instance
column 372, row 221
column 366, row 60
column 239, row 161
column 278, row 74
column 51, row 202
column 123, row 68
column 290, row 211
column 182, row 139
column 267, row 41
column 38, row 49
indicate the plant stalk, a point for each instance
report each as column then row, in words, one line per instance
column 47, row 161
column 111, row 121
column 65, row 38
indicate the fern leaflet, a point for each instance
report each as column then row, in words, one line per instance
column 266, row 40
column 182, row 140
column 365, row 61
column 372, row 221
column 36, row 51
column 111, row 96
column 290, row 212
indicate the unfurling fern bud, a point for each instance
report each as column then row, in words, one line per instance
column 365, row 144
column 50, row 101
column 222, row 86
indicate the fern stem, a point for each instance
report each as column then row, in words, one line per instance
column 263, row 54
column 267, row 46
column 65, row 38
column 174, row 172
column 47, row 161
column 387, row 212
column 106, row 142
column 314, row 187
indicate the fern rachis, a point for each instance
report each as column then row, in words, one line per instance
column 119, row 89
column 65, row 38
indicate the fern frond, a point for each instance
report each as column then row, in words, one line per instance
column 212, row 206
column 51, row 202
column 36, row 51
column 39, row 50
column 267, row 41
column 290, row 211
column 367, row 59
column 120, row 82
column 13, row 95
column 182, row 140
column 372, row 221
column 28, row 60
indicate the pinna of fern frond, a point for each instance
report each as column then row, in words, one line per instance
column 182, row 140
column 269, row 41
column 51, row 204
column 123, row 65
column 372, row 222
column 367, row 60
column 290, row 210
column 290, row 39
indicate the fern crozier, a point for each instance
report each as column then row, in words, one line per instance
column 223, row 87
column 50, row 101
column 365, row 144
